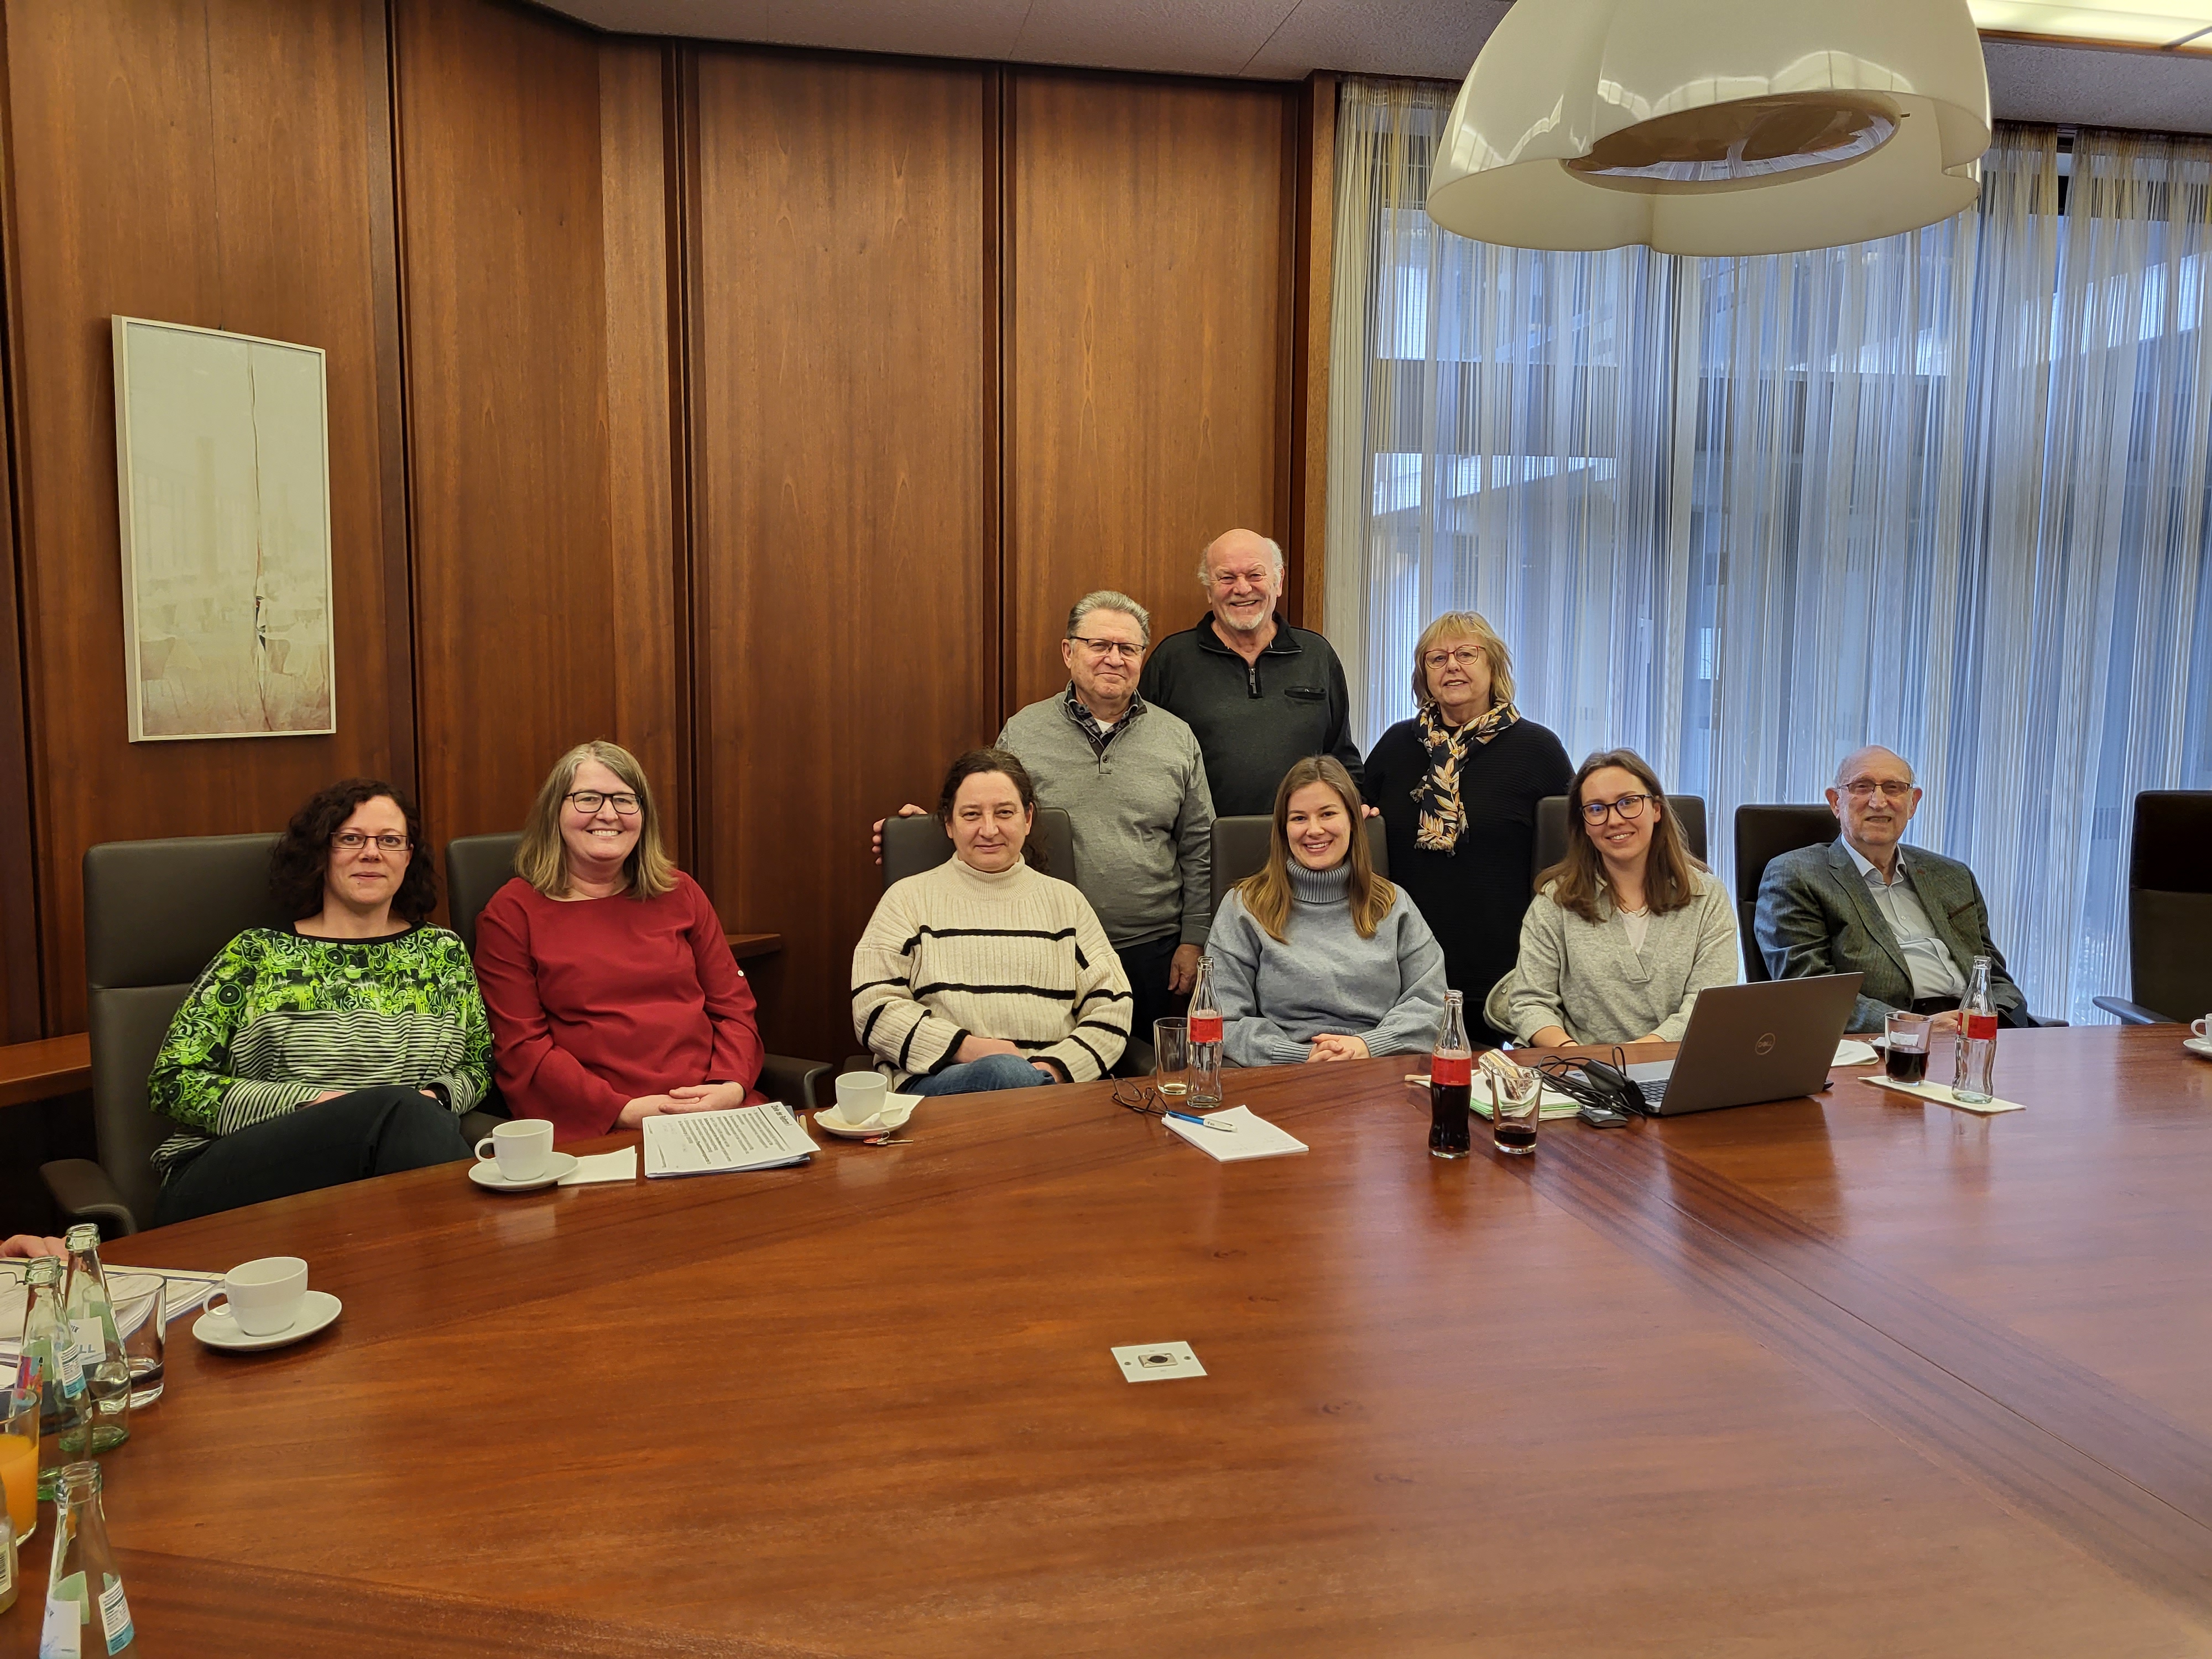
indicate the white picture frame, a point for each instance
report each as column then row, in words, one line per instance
column 223, row 492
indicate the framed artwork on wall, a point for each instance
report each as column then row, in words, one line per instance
column 223, row 478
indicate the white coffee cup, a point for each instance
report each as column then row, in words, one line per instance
column 2198, row 1028
column 523, row 1148
column 860, row 1097
column 263, row 1295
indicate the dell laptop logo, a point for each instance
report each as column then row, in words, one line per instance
column 1765, row 1046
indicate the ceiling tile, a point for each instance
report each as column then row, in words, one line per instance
column 1437, row 37
column 1186, row 37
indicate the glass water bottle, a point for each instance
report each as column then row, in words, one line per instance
column 87, row 1614
column 1205, row 1039
column 1974, row 1063
column 49, row 1364
column 100, row 1351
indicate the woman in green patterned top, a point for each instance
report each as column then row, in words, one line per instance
column 345, row 1046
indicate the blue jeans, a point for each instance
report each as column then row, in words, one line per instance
column 976, row 1076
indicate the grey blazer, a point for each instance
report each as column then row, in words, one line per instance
column 1815, row 916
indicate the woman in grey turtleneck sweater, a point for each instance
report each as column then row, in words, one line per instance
column 1317, row 957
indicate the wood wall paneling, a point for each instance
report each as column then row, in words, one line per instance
column 538, row 438
column 842, row 410
column 204, row 162
column 1146, row 342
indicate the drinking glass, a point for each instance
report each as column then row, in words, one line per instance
column 142, row 1309
column 1514, row 1100
column 1171, row 1059
column 1906, row 1046
column 19, row 1459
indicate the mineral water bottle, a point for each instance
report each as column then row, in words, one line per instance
column 1451, row 1080
column 99, row 1354
column 49, row 1364
column 1974, row 1067
column 1205, row 1039
column 87, row 1614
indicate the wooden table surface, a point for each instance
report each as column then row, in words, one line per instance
column 1853, row 1377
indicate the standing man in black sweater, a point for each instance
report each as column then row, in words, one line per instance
column 1260, row 694
column 1457, row 786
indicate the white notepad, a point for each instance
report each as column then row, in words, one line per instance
column 1253, row 1137
column 766, row 1136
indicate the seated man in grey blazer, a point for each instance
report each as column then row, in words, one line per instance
column 1910, row 920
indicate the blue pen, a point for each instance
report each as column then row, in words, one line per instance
column 1204, row 1122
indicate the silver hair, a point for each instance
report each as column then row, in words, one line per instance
column 1846, row 766
column 1274, row 553
column 1105, row 599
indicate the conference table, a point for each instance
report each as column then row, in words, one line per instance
column 1852, row 1374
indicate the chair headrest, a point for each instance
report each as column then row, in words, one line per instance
column 155, row 912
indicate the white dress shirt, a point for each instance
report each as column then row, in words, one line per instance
column 1933, row 973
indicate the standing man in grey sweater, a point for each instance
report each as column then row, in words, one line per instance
column 1131, row 779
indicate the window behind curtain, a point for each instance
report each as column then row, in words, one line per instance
column 1951, row 492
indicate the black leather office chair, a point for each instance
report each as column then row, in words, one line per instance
column 477, row 867
column 2169, row 910
column 1763, row 834
column 156, row 913
column 1551, row 829
column 1240, row 849
column 914, row 845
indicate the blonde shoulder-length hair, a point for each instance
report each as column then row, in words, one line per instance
column 542, row 860
column 1464, row 625
column 1266, row 896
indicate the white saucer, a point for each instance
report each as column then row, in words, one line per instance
column 485, row 1173
column 892, row 1117
column 219, row 1330
column 2201, row 1047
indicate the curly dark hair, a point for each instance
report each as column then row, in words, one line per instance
column 302, row 855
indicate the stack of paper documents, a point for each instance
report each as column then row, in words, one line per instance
column 708, row 1143
column 1246, row 1136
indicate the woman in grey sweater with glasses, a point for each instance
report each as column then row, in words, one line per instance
column 1625, row 930
column 1317, row 957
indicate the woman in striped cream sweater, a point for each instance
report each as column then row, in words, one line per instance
column 983, row 973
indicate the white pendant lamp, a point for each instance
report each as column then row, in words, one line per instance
column 1714, row 126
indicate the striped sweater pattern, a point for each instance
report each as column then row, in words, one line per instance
column 278, row 1019
column 957, row 952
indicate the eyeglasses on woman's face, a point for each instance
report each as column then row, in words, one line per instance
column 1630, row 807
column 352, row 841
column 1464, row 657
column 588, row 801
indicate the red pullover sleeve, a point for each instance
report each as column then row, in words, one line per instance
column 538, row 1077
column 730, row 1009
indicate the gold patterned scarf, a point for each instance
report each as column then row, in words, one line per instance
column 1442, row 819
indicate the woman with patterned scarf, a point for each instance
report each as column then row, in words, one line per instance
column 1457, row 786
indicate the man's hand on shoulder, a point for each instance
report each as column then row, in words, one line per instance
column 909, row 811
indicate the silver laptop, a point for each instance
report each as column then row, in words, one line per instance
column 1750, row 1043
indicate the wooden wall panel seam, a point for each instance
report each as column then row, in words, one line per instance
column 24, row 994
column 681, row 126
column 387, row 235
column 1313, row 313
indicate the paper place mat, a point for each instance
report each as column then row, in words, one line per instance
column 601, row 1166
column 1248, row 1136
column 1941, row 1094
column 1554, row 1104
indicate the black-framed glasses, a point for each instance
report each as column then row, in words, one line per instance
column 1122, row 648
column 1141, row 1098
column 352, row 841
column 1630, row 807
column 590, row 800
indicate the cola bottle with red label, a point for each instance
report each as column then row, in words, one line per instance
column 1452, row 1082
column 1974, row 1066
column 1205, row 1040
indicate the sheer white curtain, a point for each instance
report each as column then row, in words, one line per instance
column 1950, row 492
